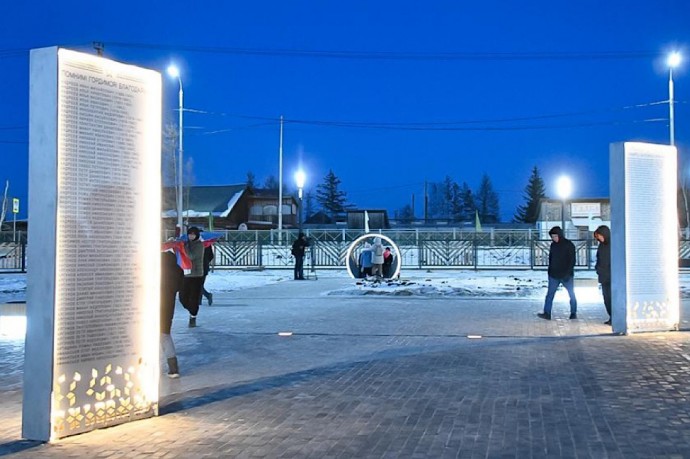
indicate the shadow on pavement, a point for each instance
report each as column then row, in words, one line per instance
column 18, row 446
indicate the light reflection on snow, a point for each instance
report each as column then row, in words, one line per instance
column 13, row 327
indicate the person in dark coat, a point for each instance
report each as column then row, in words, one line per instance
column 193, row 281
column 208, row 258
column 299, row 247
column 171, row 282
column 387, row 262
column 603, row 265
column 561, row 271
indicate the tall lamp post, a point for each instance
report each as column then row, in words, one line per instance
column 672, row 61
column 174, row 72
column 300, row 178
column 564, row 187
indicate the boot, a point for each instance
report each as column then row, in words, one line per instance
column 192, row 321
column 173, row 369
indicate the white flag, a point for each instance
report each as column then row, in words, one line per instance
column 366, row 221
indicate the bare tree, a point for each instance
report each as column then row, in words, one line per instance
column 169, row 162
column 4, row 204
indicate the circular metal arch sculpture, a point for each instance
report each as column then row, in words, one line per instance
column 350, row 261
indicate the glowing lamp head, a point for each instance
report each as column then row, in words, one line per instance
column 300, row 178
column 674, row 59
column 173, row 71
column 564, row 187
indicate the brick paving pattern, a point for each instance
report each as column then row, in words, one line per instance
column 394, row 377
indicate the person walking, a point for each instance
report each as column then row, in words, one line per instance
column 603, row 266
column 561, row 271
column 377, row 258
column 193, row 281
column 299, row 247
column 171, row 282
column 208, row 258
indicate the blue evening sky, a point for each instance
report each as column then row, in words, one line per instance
column 394, row 92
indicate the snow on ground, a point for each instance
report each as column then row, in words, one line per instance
column 463, row 283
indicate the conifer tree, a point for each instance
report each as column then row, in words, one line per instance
column 456, row 211
column 467, row 202
column 329, row 196
column 487, row 201
column 533, row 194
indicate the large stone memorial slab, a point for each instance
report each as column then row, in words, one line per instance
column 94, row 212
column 644, row 237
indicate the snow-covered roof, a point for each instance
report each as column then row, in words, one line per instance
column 203, row 201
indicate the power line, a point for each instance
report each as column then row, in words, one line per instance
column 475, row 129
column 394, row 55
column 432, row 125
column 446, row 126
column 372, row 55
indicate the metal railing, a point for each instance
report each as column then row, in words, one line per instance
column 419, row 249
column 13, row 257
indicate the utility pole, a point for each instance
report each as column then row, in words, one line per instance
column 99, row 47
column 280, row 184
column 426, row 204
column 413, row 216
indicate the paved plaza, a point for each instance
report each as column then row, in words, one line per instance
column 394, row 377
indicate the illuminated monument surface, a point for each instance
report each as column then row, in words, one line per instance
column 92, row 306
column 644, row 246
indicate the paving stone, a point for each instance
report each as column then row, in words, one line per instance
column 389, row 377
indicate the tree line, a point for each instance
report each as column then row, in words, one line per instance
column 447, row 200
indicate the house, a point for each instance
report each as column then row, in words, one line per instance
column 377, row 219
column 319, row 219
column 228, row 207
column 263, row 210
column 582, row 216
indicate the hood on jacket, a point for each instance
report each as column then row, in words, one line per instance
column 377, row 240
column 605, row 232
column 557, row 231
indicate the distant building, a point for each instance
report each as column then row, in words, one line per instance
column 582, row 216
column 378, row 219
column 319, row 219
column 228, row 207
column 263, row 210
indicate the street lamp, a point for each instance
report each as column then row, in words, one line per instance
column 564, row 187
column 300, row 178
column 673, row 60
column 174, row 72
